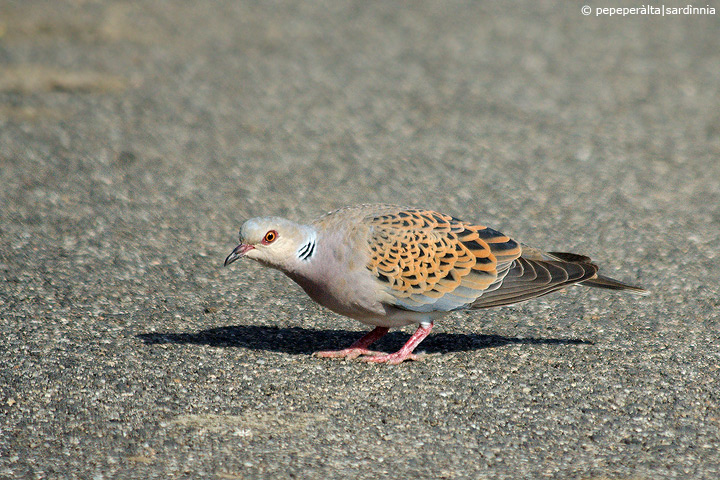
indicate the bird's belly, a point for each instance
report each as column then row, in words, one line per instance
column 330, row 296
column 395, row 317
column 367, row 310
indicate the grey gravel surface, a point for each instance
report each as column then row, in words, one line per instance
column 136, row 136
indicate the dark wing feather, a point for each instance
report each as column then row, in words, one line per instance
column 528, row 279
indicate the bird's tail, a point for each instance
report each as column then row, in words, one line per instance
column 599, row 281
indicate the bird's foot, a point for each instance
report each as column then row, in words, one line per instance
column 359, row 348
column 348, row 353
column 405, row 353
column 392, row 358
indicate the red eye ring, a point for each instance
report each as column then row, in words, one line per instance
column 269, row 237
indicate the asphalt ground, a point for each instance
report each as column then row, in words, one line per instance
column 135, row 137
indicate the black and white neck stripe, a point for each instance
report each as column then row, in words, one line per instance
column 307, row 250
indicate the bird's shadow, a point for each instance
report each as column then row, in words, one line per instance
column 298, row 340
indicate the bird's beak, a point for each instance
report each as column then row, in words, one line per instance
column 239, row 252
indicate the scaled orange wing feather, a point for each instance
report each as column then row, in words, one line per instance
column 429, row 261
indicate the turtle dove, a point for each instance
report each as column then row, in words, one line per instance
column 390, row 266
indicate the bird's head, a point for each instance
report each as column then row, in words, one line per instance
column 274, row 242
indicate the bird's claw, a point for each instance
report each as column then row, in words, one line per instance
column 392, row 358
column 348, row 353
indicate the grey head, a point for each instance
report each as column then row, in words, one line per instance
column 275, row 242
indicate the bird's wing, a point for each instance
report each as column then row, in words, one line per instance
column 530, row 277
column 427, row 261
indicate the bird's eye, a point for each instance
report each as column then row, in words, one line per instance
column 269, row 237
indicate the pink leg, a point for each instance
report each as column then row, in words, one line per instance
column 358, row 348
column 405, row 353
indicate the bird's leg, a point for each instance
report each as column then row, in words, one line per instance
column 358, row 348
column 405, row 353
